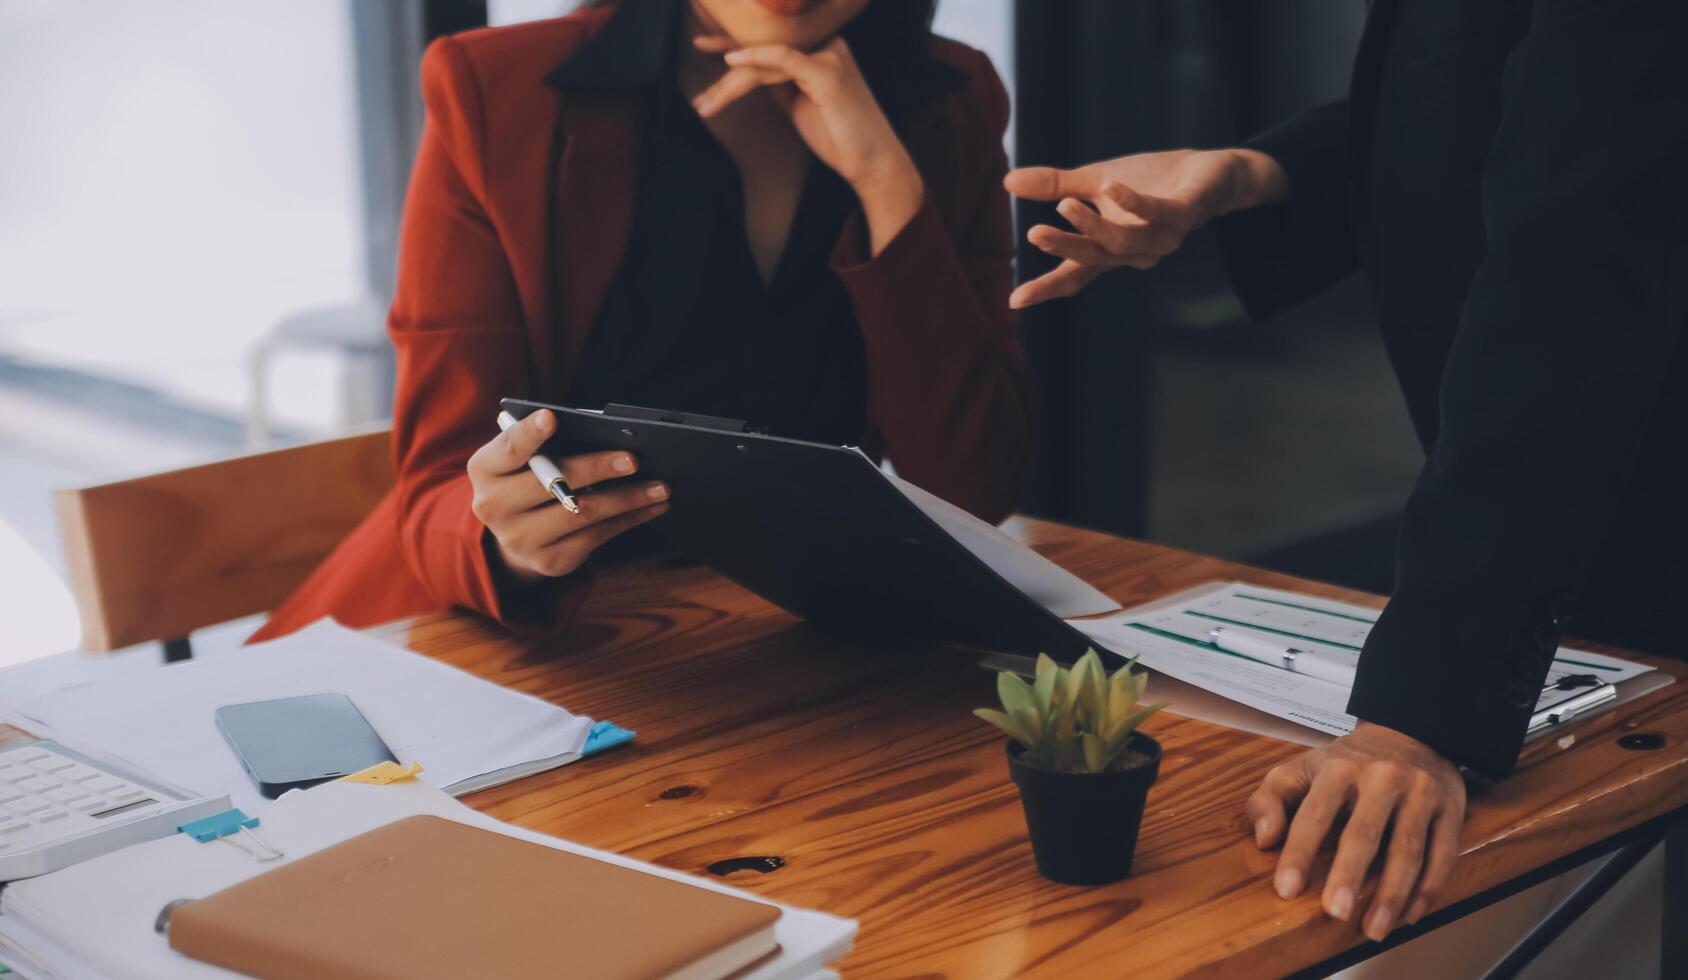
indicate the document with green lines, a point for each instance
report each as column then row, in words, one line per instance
column 1176, row 636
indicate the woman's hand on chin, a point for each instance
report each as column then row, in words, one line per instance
column 832, row 109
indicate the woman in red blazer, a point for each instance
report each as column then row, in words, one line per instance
column 789, row 211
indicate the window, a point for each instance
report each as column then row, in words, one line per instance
column 179, row 175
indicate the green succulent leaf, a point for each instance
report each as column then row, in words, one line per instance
column 1095, row 754
column 1096, row 692
column 1077, row 719
column 1120, row 733
column 1064, row 723
column 1058, row 689
column 1122, row 696
column 1043, row 690
column 1014, row 692
column 1094, row 661
column 1078, row 680
column 1009, row 726
column 1028, row 721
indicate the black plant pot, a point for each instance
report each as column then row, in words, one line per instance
column 1084, row 825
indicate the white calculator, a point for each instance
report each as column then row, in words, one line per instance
column 59, row 807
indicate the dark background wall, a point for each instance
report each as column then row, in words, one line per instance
column 1166, row 414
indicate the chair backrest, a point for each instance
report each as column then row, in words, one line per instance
column 157, row 557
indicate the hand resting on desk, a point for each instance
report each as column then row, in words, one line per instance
column 1390, row 785
column 537, row 537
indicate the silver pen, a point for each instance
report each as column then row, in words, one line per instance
column 1276, row 653
column 549, row 476
column 1556, row 714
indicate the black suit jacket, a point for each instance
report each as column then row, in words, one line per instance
column 1510, row 177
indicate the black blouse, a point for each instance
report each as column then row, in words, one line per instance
column 688, row 322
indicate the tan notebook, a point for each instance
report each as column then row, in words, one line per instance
column 428, row 897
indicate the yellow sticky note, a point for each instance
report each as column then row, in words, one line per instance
column 384, row 772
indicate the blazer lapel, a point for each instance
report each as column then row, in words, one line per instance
column 592, row 216
column 1362, row 85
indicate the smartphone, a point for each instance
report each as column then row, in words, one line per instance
column 292, row 743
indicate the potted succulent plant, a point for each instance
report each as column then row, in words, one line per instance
column 1083, row 768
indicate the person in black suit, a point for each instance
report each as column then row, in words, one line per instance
column 1510, row 176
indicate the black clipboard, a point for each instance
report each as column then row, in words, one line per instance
column 817, row 530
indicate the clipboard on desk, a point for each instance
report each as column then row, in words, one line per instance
column 825, row 534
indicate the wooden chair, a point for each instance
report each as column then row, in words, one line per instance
column 157, row 557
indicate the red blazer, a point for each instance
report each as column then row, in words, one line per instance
column 473, row 319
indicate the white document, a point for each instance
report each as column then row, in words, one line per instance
column 466, row 732
column 1171, row 636
column 1051, row 586
column 96, row 919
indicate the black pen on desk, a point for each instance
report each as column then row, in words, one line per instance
column 549, row 476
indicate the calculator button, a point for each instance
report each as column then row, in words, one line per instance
column 64, row 795
column 8, row 795
column 11, row 825
column 127, row 795
column 29, row 755
column 51, row 815
column 54, row 763
column 12, row 774
column 104, row 784
column 38, row 784
column 89, row 803
column 24, row 808
column 78, row 773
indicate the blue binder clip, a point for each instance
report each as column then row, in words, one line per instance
column 224, row 826
column 605, row 735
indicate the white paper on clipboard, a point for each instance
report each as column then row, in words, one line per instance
column 1051, row 586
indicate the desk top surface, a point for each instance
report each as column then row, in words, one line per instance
column 862, row 767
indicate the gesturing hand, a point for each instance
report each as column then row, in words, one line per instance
column 1139, row 210
column 833, row 110
column 1390, row 784
column 537, row 537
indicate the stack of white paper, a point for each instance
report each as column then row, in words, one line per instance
column 467, row 733
column 1171, row 635
column 96, row 919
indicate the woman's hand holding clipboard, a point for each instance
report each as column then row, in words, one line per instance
column 538, row 535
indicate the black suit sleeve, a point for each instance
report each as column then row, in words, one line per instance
column 1562, row 350
column 1280, row 255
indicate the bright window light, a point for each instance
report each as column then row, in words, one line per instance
column 38, row 614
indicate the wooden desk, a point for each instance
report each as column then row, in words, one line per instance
column 861, row 767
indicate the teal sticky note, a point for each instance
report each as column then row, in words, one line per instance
column 605, row 735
